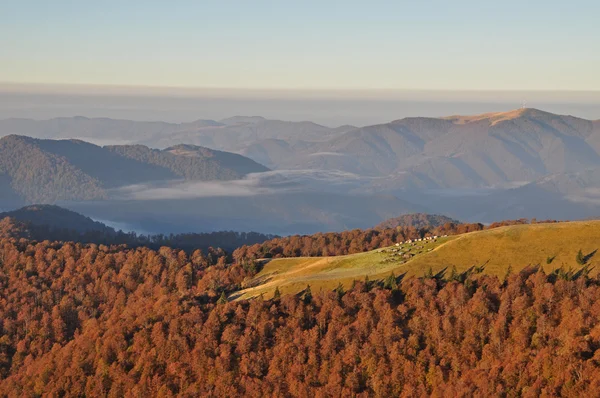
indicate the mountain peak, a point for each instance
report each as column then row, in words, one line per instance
column 243, row 119
column 496, row 117
column 190, row 151
column 200, row 123
column 14, row 137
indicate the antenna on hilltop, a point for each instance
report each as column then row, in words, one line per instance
column 523, row 104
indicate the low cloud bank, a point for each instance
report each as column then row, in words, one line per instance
column 279, row 181
column 188, row 190
column 327, row 154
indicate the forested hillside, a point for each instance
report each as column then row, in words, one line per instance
column 417, row 220
column 192, row 162
column 53, row 223
column 47, row 171
column 106, row 321
column 55, row 218
column 38, row 176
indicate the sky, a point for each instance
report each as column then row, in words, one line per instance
column 306, row 45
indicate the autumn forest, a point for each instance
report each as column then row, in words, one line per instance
column 94, row 320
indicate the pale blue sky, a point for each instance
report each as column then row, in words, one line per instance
column 472, row 45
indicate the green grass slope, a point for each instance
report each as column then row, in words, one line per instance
column 496, row 250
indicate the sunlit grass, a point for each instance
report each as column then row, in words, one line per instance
column 516, row 246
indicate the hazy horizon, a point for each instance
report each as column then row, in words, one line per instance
column 327, row 107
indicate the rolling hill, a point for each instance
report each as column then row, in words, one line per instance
column 55, row 217
column 46, row 171
column 551, row 246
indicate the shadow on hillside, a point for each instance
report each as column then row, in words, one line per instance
column 589, row 256
column 570, row 274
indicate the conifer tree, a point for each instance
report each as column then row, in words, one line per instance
column 508, row 272
column 390, row 282
column 580, row 258
column 429, row 273
column 340, row 290
column 454, row 276
column 222, row 299
column 307, row 297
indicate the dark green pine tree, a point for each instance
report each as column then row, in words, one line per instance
column 508, row 273
column 340, row 290
column 222, row 299
column 307, row 297
column 454, row 275
column 580, row 258
column 277, row 294
column 390, row 282
column 429, row 273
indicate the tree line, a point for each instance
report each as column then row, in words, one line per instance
column 226, row 240
column 357, row 240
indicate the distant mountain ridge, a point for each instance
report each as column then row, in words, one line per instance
column 230, row 134
column 417, row 220
column 520, row 163
column 482, row 150
column 46, row 171
column 487, row 150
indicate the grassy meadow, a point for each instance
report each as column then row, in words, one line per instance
column 548, row 245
